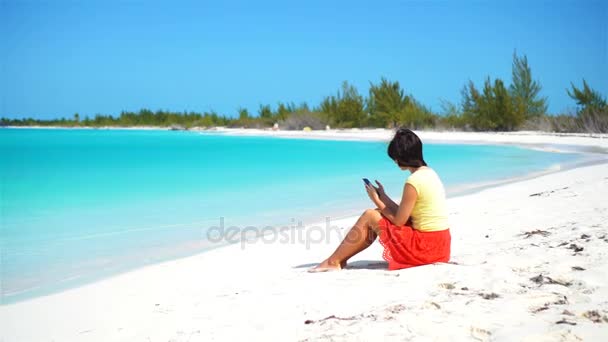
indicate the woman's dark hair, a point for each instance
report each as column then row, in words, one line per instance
column 406, row 149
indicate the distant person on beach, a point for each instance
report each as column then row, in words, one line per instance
column 414, row 232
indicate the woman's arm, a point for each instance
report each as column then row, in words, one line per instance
column 400, row 214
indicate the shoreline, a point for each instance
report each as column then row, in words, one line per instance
column 523, row 138
column 544, row 141
column 120, row 294
column 596, row 143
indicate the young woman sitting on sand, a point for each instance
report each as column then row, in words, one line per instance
column 414, row 232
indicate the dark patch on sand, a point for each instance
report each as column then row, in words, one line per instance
column 529, row 234
column 547, row 193
column 542, row 280
column 489, row 296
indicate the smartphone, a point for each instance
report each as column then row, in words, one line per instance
column 367, row 181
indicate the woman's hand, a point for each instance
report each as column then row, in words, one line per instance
column 373, row 194
column 380, row 189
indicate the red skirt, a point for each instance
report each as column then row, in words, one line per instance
column 406, row 247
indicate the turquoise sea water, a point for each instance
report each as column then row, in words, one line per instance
column 77, row 205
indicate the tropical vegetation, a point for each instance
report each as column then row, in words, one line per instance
column 496, row 105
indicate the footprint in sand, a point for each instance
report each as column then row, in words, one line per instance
column 576, row 248
column 595, row 317
column 395, row 309
column 480, row 334
column 447, row 286
column 489, row 296
column 542, row 280
column 565, row 321
column 562, row 300
column 531, row 233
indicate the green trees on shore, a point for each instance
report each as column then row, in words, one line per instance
column 387, row 103
column 592, row 111
column 497, row 106
column 501, row 108
column 346, row 109
column 587, row 99
column 389, row 106
column 525, row 91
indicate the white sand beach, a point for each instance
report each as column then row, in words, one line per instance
column 524, row 138
column 529, row 263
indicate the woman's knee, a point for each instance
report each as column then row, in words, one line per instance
column 372, row 213
column 367, row 212
column 373, row 216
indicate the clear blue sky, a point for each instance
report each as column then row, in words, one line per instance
column 62, row 57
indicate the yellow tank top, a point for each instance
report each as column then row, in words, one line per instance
column 430, row 211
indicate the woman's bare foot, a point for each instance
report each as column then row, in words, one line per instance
column 328, row 265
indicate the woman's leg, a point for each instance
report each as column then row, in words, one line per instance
column 361, row 236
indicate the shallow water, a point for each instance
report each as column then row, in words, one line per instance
column 79, row 204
